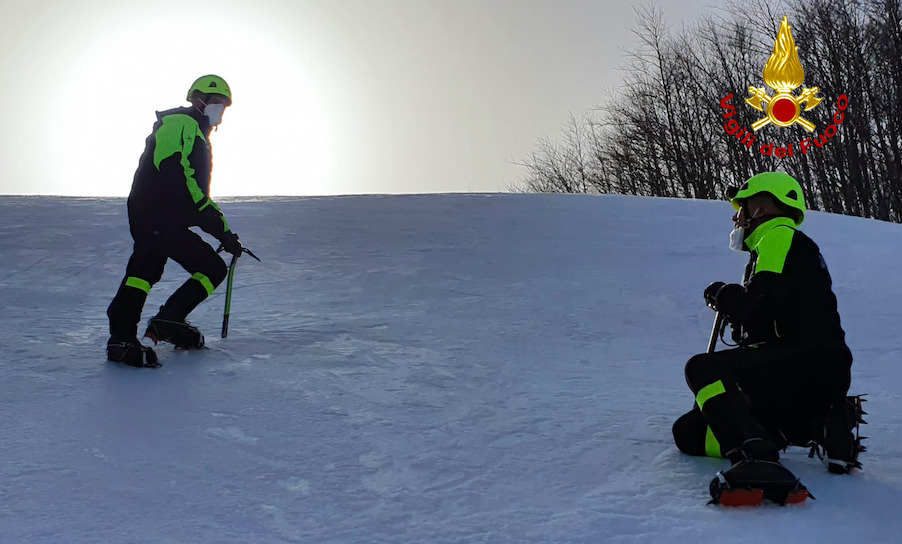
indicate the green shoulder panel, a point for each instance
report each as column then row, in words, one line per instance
column 772, row 248
column 178, row 134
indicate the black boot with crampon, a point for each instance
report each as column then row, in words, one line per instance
column 755, row 477
column 841, row 442
column 164, row 327
column 131, row 352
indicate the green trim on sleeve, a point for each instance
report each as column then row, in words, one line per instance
column 209, row 203
column 177, row 134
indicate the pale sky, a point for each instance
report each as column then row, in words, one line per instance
column 330, row 96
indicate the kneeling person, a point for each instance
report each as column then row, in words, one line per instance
column 791, row 369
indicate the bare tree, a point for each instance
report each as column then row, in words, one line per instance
column 666, row 131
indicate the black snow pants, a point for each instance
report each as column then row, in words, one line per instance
column 145, row 268
column 776, row 393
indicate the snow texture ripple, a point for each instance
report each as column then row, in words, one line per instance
column 413, row 369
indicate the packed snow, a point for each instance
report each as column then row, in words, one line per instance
column 414, row 369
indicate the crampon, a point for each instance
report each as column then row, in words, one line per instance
column 752, row 482
column 841, row 444
column 179, row 333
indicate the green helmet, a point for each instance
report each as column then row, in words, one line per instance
column 782, row 186
column 211, row 85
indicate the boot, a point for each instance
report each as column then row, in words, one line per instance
column 759, row 449
column 166, row 327
column 841, row 442
column 131, row 352
column 752, row 481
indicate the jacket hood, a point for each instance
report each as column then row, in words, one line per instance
column 192, row 112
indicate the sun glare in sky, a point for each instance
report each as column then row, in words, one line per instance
column 122, row 66
column 330, row 96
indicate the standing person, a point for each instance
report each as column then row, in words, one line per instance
column 170, row 194
column 787, row 380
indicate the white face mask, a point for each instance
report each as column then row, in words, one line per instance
column 214, row 113
column 737, row 239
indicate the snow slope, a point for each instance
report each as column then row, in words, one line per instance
column 413, row 369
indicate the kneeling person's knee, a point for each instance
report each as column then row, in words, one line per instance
column 702, row 370
column 690, row 434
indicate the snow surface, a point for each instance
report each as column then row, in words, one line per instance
column 414, row 369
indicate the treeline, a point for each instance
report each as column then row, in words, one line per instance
column 662, row 133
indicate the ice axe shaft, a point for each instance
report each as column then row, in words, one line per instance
column 229, row 282
column 719, row 317
column 715, row 332
column 228, row 300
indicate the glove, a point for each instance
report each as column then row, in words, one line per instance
column 711, row 294
column 231, row 244
column 729, row 301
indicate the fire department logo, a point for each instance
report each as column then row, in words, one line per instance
column 783, row 73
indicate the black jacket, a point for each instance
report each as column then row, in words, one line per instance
column 788, row 298
column 172, row 183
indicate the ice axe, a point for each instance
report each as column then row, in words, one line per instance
column 715, row 330
column 719, row 321
column 231, row 278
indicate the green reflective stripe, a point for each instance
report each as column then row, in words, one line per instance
column 708, row 392
column 209, row 202
column 177, row 134
column 205, row 281
column 712, row 446
column 138, row 283
column 196, row 194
